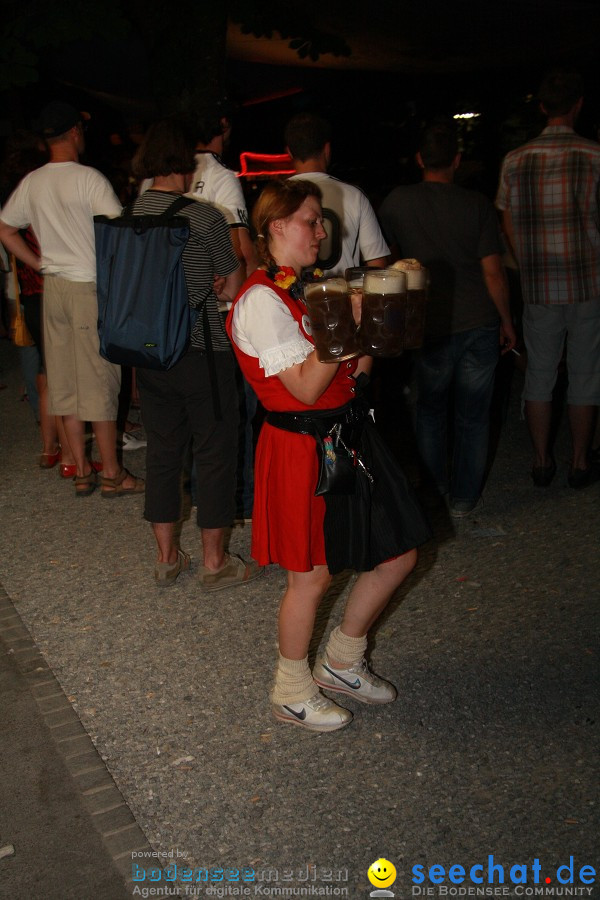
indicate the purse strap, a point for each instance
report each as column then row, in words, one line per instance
column 13, row 265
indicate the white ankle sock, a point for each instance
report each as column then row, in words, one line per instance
column 344, row 649
column 293, row 681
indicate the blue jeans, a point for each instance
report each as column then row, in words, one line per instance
column 466, row 361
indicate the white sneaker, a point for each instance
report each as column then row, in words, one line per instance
column 357, row 681
column 318, row 714
column 133, row 440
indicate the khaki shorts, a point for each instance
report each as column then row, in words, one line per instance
column 80, row 382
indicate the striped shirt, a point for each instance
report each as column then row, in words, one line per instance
column 551, row 188
column 208, row 252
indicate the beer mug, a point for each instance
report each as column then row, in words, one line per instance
column 416, row 302
column 355, row 277
column 383, row 319
column 332, row 323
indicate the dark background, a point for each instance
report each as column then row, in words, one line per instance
column 378, row 71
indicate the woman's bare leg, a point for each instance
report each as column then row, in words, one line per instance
column 298, row 609
column 47, row 422
column 75, row 431
column 66, row 454
column 372, row 593
column 296, row 698
column 343, row 668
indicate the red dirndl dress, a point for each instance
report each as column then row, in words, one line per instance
column 287, row 519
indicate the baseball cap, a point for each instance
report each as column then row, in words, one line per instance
column 57, row 117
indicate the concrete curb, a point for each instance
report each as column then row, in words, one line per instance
column 109, row 813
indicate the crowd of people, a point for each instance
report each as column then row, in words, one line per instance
column 252, row 274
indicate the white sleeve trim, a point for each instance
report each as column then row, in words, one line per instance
column 263, row 327
column 278, row 359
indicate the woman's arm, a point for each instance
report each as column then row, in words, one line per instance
column 306, row 381
column 264, row 327
column 365, row 364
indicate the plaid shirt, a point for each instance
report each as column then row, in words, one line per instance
column 551, row 188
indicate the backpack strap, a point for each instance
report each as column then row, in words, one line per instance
column 212, row 366
column 169, row 212
column 196, row 312
column 174, row 208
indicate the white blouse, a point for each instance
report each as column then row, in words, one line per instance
column 264, row 327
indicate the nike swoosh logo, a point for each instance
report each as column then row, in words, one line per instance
column 351, row 684
column 299, row 715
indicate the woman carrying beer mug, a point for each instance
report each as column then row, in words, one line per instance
column 373, row 528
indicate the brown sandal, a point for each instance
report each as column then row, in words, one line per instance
column 113, row 487
column 86, row 484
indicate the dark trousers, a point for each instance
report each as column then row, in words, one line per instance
column 467, row 361
column 177, row 405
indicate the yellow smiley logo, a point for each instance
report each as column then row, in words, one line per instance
column 381, row 873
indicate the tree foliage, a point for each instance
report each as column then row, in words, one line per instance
column 185, row 45
column 265, row 17
column 33, row 28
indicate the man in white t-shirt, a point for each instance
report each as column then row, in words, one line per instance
column 59, row 201
column 214, row 182
column 354, row 237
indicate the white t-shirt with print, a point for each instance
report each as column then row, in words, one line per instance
column 360, row 237
column 214, row 182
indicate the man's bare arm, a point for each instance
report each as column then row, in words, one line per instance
column 244, row 250
column 232, row 286
column 379, row 263
column 497, row 285
column 509, row 231
column 15, row 244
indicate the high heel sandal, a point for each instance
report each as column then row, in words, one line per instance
column 49, row 460
column 68, row 470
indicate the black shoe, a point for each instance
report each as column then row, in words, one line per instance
column 542, row 475
column 581, row 478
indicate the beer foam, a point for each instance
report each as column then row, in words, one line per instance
column 416, row 280
column 406, row 265
column 416, row 274
column 388, row 281
column 323, row 289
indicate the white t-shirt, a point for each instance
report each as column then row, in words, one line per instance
column 359, row 237
column 214, row 182
column 59, row 201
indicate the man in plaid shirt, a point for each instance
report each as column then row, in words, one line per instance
column 549, row 195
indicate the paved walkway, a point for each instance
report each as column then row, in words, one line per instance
column 491, row 748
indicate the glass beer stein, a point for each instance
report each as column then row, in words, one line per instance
column 332, row 323
column 383, row 317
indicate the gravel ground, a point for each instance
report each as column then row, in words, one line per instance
column 491, row 748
